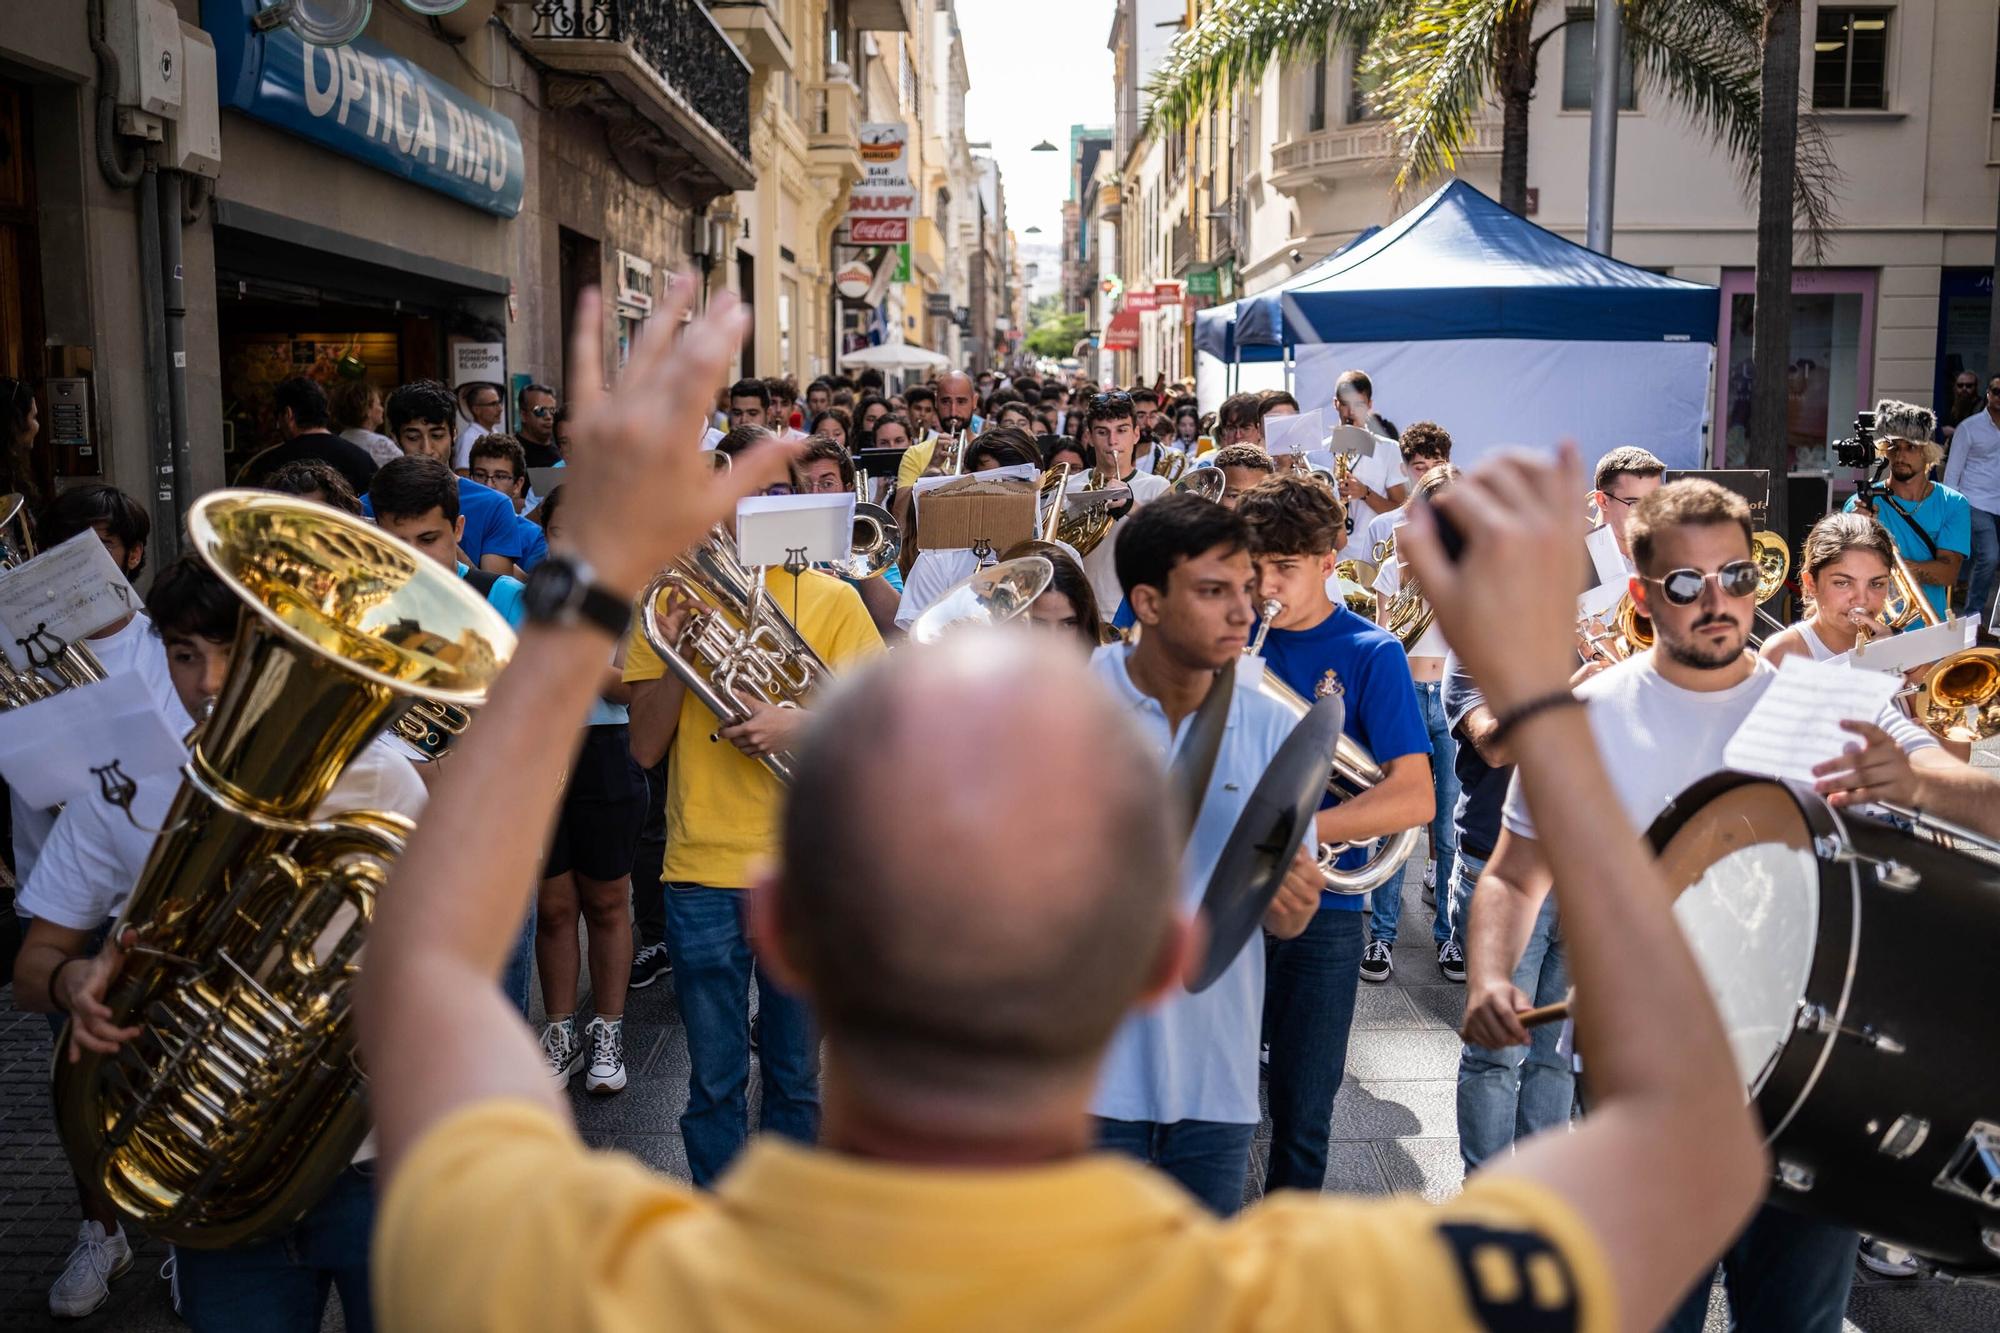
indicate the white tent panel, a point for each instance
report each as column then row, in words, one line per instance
column 1490, row 392
column 1215, row 379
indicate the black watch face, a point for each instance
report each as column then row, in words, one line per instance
column 551, row 587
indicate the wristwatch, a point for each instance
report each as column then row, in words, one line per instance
column 563, row 590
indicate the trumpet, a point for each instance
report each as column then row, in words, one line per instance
column 1354, row 771
column 948, row 454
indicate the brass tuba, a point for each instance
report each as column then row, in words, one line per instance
column 240, row 1101
column 735, row 642
column 1354, row 771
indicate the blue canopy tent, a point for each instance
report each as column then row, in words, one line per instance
column 1504, row 332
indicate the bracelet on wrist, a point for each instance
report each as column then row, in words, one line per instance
column 1506, row 724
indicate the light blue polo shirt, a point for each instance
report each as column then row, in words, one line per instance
column 1194, row 1057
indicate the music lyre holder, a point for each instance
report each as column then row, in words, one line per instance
column 41, row 656
column 119, row 789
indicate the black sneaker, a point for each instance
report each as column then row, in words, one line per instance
column 1376, row 965
column 1451, row 961
column 648, row 966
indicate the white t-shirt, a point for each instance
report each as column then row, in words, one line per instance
column 1658, row 739
column 1378, row 472
column 380, row 447
column 1100, row 566
column 95, row 854
column 133, row 648
column 931, row 576
column 473, row 433
column 1390, row 578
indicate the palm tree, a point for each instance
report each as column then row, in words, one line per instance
column 1771, row 317
column 1437, row 63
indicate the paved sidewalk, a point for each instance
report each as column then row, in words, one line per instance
column 1394, row 1130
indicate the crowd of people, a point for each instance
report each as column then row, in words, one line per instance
column 947, row 1015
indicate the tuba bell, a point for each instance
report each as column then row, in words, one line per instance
column 240, row 1101
column 1958, row 697
column 878, row 541
column 1354, row 771
column 736, row 641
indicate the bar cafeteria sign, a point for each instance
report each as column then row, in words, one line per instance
column 882, row 202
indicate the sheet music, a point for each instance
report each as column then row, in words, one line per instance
column 1796, row 725
column 65, row 593
column 1288, row 434
column 49, row 749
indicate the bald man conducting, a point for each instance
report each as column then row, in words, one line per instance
column 969, row 978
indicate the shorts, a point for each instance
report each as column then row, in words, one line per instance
column 603, row 807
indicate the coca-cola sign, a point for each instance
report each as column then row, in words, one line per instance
column 878, row 231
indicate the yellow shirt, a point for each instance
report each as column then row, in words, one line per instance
column 915, row 459
column 722, row 806
column 500, row 1219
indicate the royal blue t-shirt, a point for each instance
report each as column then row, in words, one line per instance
column 1945, row 516
column 535, row 541
column 1383, row 715
column 491, row 525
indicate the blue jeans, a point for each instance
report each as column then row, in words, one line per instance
column 280, row 1285
column 712, row 976
column 1985, row 561
column 517, row 977
column 1309, row 985
column 1509, row 1094
column 1786, row 1273
column 1211, row 1160
column 1386, row 905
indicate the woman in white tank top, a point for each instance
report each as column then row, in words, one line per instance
column 1844, row 572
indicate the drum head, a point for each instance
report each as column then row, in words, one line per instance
column 1748, row 880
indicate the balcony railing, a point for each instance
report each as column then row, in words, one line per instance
column 691, row 57
column 833, row 130
column 1295, row 162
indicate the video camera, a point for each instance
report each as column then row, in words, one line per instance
column 1858, row 452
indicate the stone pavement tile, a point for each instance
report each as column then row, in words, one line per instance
column 662, row 1152
column 1383, row 1007
column 1430, row 1167
column 1351, row 1168
column 1441, row 1006
column 1413, row 1108
column 1402, row 1053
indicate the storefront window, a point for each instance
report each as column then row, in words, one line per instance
column 1965, row 304
column 1828, row 368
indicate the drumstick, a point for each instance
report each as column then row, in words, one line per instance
column 1547, row 1013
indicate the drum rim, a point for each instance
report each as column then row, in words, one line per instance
column 1823, row 823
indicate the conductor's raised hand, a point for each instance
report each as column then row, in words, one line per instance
column 641, row 490
column 1507, row 605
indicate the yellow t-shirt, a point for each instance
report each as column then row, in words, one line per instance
column 722, row 806
column 795, row 1238
column 915, row 459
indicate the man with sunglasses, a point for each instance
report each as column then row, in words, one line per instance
column 1661, row 719
column 1973, row 470
column 538, row 426
column 1931, row 523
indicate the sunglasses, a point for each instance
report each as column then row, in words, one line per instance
column 1682, row 587
column 1113, row 396
column 543, row 411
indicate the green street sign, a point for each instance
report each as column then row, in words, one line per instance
column 1203, row 282
column 902, row 263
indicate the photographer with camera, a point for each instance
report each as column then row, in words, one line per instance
column 1930, row 523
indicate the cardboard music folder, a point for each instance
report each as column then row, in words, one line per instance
column 974, row 513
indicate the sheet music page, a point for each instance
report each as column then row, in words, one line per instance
column 48, row 749
column 1285, row 434
column 1796, row 725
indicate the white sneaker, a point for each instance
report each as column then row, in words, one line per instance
column 1881, row 1257
column 85, row 1283
column 607, row 1055
column 562, row 1050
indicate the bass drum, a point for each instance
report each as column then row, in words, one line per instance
column 1847, row 957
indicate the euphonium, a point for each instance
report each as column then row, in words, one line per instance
column 1084, row 527
column 1354, row 771
column 1355, row 581
column 240, row 1101
column 878, row 541
column 73, row 663
column 429, row 728
column 735, row 642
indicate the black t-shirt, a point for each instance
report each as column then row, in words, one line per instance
column 540, row 455
column 1482, row 788
column 347, row 458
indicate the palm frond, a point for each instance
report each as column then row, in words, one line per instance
column 1705, row 57
column 1435, row 73
column 1236, row 41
